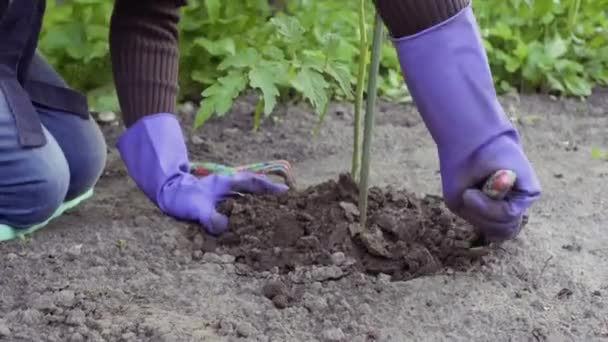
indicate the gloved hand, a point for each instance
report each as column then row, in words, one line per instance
column 156, row 158
column 447, row 73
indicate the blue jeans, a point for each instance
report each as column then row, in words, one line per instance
column 34, row 182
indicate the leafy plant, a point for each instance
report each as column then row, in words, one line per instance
column 310, row 50
column 547, row 45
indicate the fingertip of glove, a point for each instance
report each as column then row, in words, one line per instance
column 216, row 225
column 280, row 188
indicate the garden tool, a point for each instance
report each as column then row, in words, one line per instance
column 499, row 184
column 281, row 168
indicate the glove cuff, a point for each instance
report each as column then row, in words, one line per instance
column 447, row 72
column 154, row 151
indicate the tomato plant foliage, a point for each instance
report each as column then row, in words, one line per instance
column 308, row 50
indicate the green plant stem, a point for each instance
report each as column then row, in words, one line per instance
column 372, row 90
column 356, row 162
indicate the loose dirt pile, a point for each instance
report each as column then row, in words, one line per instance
column 408, row 236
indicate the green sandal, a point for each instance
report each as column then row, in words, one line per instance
column 9, row 233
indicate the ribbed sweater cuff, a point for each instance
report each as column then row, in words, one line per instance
column 408, row 17
column 145, row 57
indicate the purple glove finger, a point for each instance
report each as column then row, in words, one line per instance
column 249, row 182
column 497, row 220
column 213, row 222
column 503, row 211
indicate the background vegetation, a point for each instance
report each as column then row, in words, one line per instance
column 308, row 49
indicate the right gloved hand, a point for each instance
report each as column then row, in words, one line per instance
column 447, row 73
column 156, row 158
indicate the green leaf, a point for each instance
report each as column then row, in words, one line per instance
column 556, row 48
column 331, row 43
column 577, row 85
column 218, row 98
column 220, row 47
column 543, row 7
column 313, row 86
column 289, row 27
column 597, row 153
column 263, row 78
column 341, row 74
column 555, row 84
column 247, row 58
column 213, row 9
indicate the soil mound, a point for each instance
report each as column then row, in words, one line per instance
column 408, row 236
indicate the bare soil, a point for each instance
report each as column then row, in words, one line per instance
column 116, row 269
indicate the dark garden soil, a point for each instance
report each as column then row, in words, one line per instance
column 117, row 269
column 407, row 236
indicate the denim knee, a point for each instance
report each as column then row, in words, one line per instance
column 33, row 182
column 82, row 144
column 80, row 139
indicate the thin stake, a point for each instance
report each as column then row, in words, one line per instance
column 363, row 52
column 372, row 91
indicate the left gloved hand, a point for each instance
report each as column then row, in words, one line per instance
column 156, row 157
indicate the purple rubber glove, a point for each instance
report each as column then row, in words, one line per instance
column 447, row 72
column 155, row 154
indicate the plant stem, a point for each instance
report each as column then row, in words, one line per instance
column 359, row 95
column 372, row 90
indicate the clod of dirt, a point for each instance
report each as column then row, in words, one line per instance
column 5, row 331
column 564, row 293
column 277, row 292
column 407, row 236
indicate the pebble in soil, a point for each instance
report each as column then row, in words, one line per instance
column 409, row 236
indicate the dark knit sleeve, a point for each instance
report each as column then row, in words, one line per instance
column 144, row 52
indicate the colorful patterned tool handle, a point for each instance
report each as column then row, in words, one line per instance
column 281, row 168
column 499, row 184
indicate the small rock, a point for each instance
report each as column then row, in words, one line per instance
column 106, row 117
column 597, row 293
column 228, row 259
column 218, row 259
column 76, row 317
column 350, row 209
column 314, row 304
column 303, row 216
column 74, row 252
column 188, row 108
column 76, row 337
column 338, row 258
column 326, row 273
column 564, row 293
column 333, row 335
column 212, row 258
column 198, row 241
column 31, row 317
column 65, row 298
column 4, row 329
column 197, row 255
column 245, row 329
column 11, row 257
column 280, row 301
column 226, row 327
column 142, row 221
column 310, row 242
column 274, row 288
column 375, row 244
column 128, row 336
column 196, row 140
column 44, row 302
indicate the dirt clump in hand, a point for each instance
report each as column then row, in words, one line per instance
column 407, row 236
